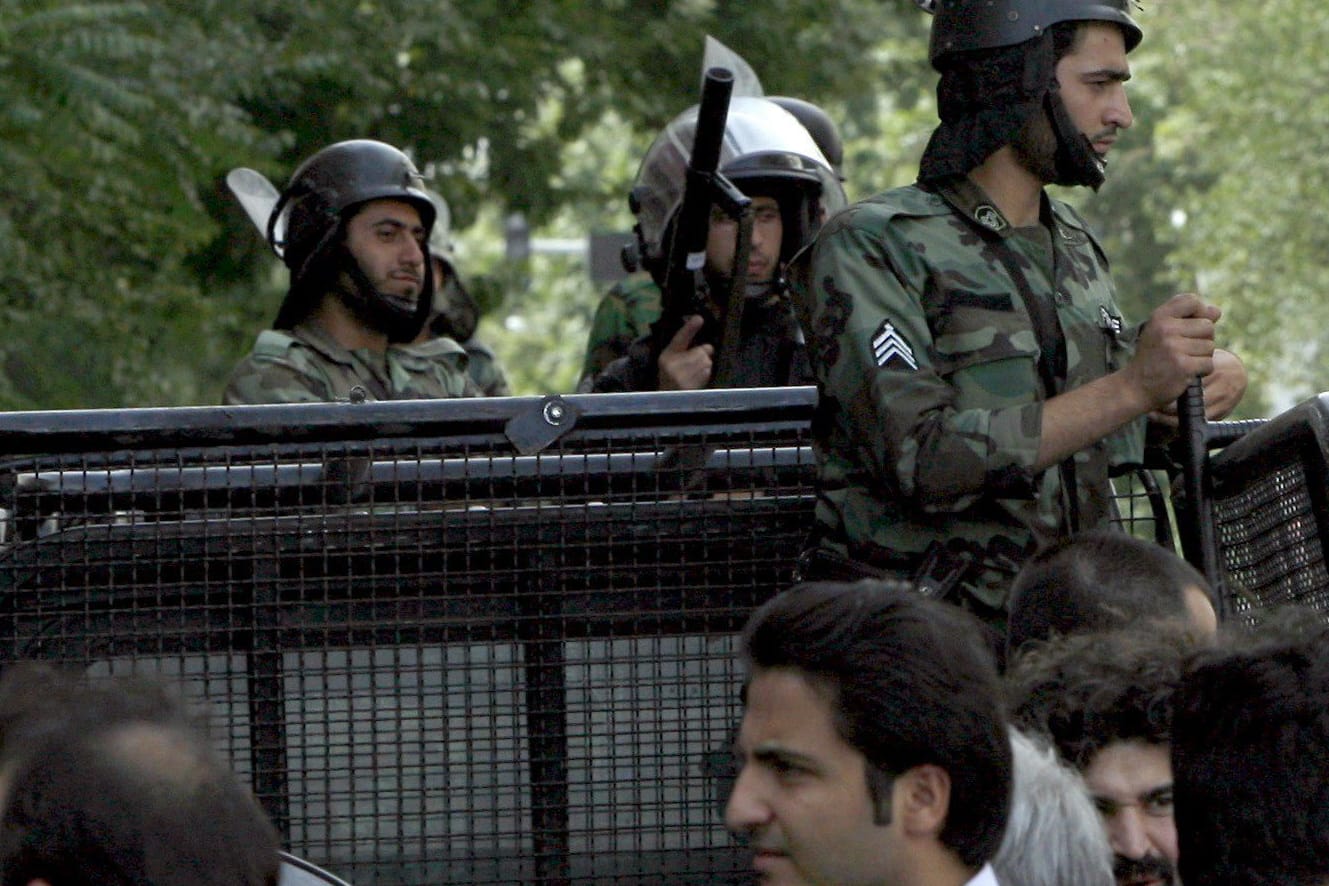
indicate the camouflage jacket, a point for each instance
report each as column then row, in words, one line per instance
column 485, row 370
column 306, row 365
column 771, row 352
column 624, row 315
column 931, row 395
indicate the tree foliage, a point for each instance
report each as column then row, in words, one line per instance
column 1256, row 236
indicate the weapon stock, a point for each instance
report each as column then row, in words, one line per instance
column 735, row 204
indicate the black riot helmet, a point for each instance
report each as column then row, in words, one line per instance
column 998, row 68
column 819, row 125
column 765, row 152
column 307, row 229
column 965, row 25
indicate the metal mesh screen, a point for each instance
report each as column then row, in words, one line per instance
column 1272, row 515
column 1141, row 502
column 439, row 659
column 464, row 642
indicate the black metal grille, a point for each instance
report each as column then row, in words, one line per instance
column 1141, row 503
column 484, row 641
column 1270, row 507
column 497, row 651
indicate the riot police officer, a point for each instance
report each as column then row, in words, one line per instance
column 977, row 379
column 769, row 156
column 352, row 226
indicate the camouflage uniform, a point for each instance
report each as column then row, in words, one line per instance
column 624, row 315
column 927, row 360
column 306, row 365
column 456, row 316
column 485, row 370
column 770, row 352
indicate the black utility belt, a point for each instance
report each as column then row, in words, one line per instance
column 936, row 572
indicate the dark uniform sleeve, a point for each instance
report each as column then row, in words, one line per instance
column 631, row 372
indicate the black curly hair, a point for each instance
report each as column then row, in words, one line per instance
column 1087, row 691
column 1249, row 756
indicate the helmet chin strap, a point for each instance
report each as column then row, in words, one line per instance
column 1077, row 162
column 372, row 307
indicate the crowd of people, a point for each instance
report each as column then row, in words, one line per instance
column 880, row 743
column 976, row 680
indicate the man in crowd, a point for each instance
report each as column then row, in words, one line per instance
column 115, row 785
column 872, row 747
column 352, row 227
column 628, row 309
column 1106, row 702
column 769, row 156
column 977, row 379
column 1250, row 754
column 1105, row 579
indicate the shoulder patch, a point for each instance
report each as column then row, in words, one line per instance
column 890, row 349
column 989, row 217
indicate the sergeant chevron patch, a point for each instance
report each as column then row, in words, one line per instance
column 889, row 345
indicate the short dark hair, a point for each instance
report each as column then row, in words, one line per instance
column 1099, row 580
column 1250, row 758
column 1087, row 691
column 37, row 699
column 911, row 684
column 138, row 797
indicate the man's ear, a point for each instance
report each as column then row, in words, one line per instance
column 923, row 799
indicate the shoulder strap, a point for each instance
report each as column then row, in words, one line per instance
column 1043, row 316
column 273, row 343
